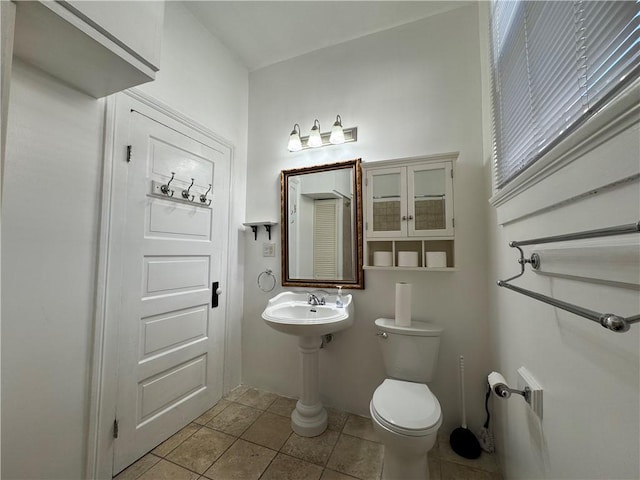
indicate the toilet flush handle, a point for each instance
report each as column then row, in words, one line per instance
column 382, row 334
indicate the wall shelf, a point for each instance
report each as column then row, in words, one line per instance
column 417, row 245
column 254, row 227
column 416, row 269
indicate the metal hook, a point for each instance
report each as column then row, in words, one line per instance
column 203, row 197
column 165, row 188
column 185, row 193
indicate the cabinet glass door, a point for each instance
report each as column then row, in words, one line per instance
column 387, row 206
column 430, row 202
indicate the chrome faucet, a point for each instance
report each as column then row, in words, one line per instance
column 314, row 300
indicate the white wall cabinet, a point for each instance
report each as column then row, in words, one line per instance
column 409, row 208
column 98, row 47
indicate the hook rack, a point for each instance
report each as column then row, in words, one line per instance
column 163, row 190
column 610, row 321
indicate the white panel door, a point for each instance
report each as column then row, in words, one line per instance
column 171, row 334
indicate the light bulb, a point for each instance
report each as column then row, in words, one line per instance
column 295, row 144
column 314, row 137
column 337, row 134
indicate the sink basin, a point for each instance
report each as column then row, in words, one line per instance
column 290, row 313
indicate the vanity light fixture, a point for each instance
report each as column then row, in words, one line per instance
column 314, row 137
column 337, row 135
column 317, row 139
column 295, row 144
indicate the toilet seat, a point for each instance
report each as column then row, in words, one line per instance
column 407, row 408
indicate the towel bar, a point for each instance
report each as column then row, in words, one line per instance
column 610, row 321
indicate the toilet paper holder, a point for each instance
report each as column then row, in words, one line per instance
column 504, row 391
column 499, row 386
column 532, row 391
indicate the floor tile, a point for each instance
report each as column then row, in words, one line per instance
column 360, row 427
column 164, row 470
column 270, row 430
column 486, row 461
column 236, row 393
column 455, row 471
column 337, row 419
column 212, row 412
column 283, row 406
column 234, row 419
column 434, row 467
column 172, row 442
column 242, row 461
column 333, row 475
column 349, row 448
column 314, row 449
column 142, row 465
column 357, row 457
column 285, row 467
column 199, row 451
column 257, row 398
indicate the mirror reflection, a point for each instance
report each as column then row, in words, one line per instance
column 322, row 225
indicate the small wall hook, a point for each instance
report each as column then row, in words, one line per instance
column 186, row 194
column 165, row 188
column 203, row 197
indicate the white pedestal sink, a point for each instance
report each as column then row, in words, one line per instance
column 290, row 313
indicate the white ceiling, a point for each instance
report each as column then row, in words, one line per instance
column 262, row 33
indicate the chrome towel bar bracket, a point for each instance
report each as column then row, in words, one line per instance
column 615, row 323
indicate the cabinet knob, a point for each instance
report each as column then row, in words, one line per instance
column 404, row 217
column 410, row 217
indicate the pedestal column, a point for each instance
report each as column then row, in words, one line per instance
column 309, row 419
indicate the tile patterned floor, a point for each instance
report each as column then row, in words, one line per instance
column 247, row 436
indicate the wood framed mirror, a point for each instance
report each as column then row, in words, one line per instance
column 321, row 213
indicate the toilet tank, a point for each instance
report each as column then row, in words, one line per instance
column 411, row 352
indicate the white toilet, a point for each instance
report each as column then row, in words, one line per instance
column 405, row 414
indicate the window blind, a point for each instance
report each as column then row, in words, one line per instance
column 554, row 64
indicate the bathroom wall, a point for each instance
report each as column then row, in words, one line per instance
column 50, row 217
column 590, row 376
column 413, row 90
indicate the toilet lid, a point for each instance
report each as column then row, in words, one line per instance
column 406, row 407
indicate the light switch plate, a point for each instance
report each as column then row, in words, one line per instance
column 526, row 379
column 268, row 249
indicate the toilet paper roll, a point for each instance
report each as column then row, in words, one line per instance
column 496, row 380
column 436, row 259
column 407, row 259
column 382, row 259
column 403, row 304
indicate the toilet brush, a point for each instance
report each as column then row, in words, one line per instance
column 462, row 440
column 485, row 437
